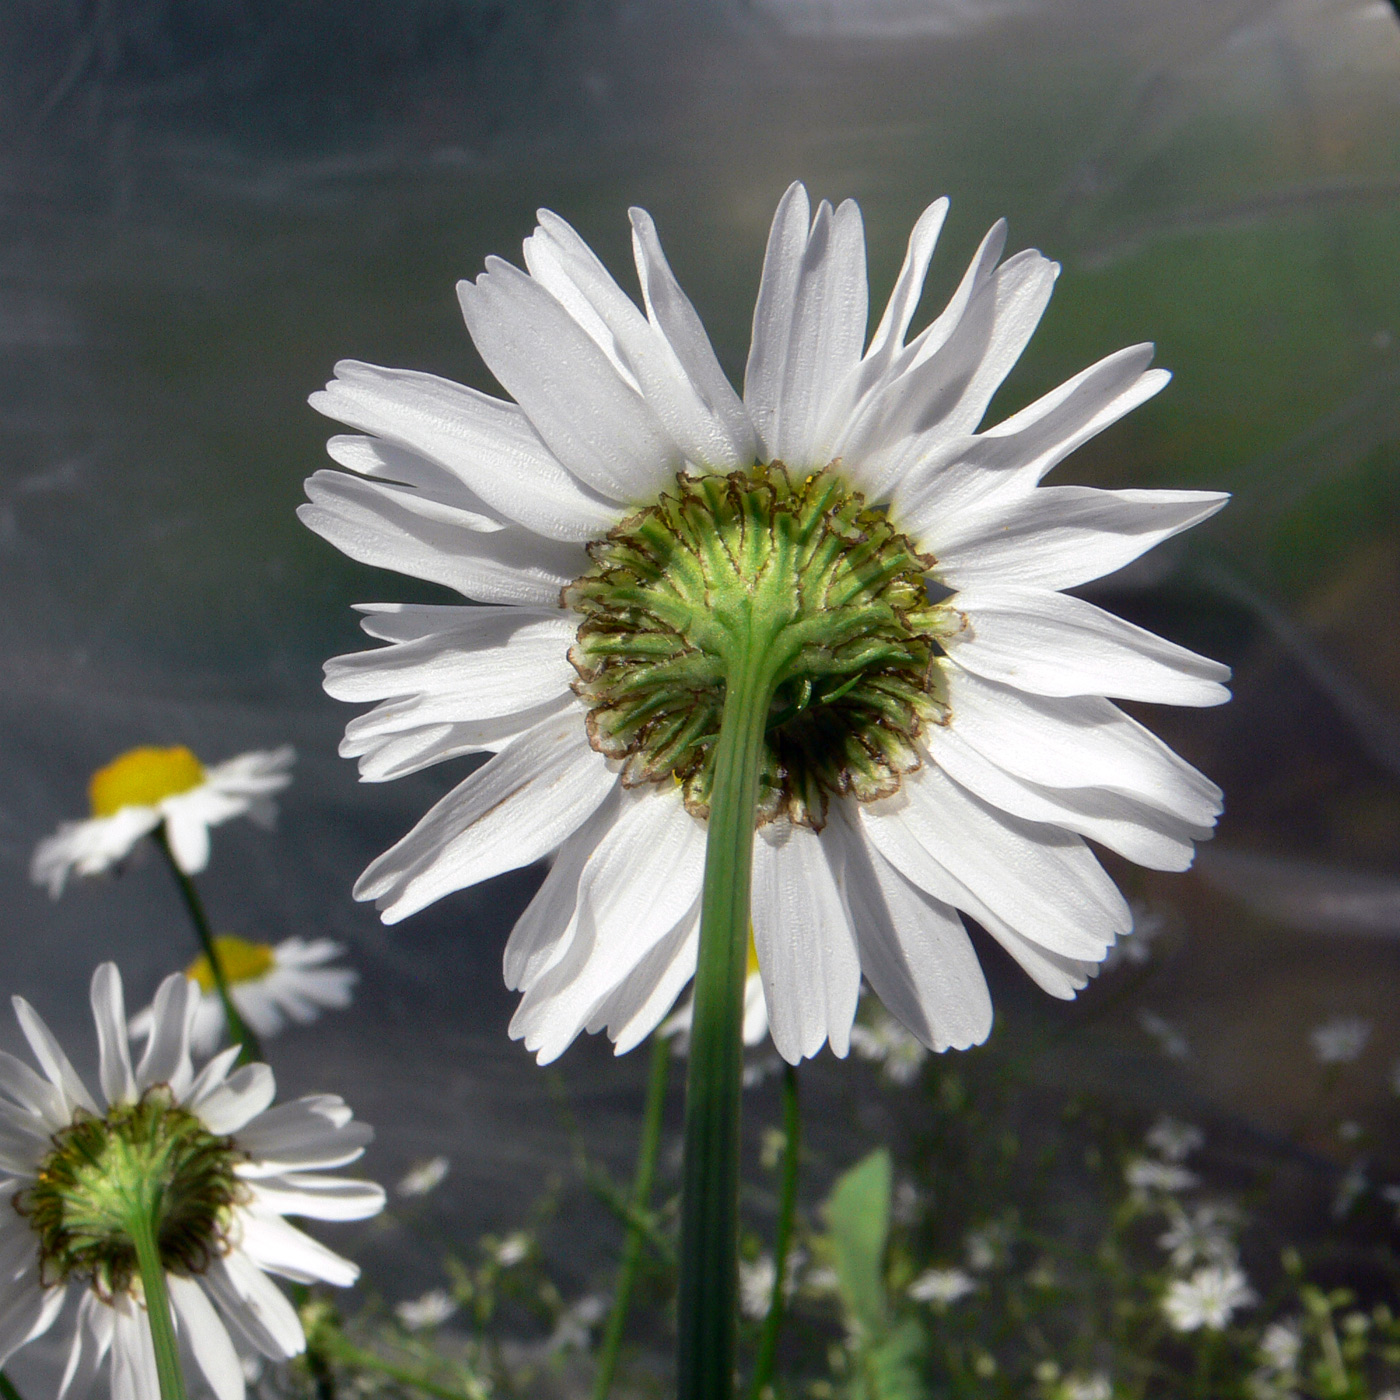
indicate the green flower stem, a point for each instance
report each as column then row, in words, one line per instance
column 333, row 1344
column 141, row 1226
column 640, row 1204
column 238, row 1029
column 782, row 1245
column 7, row 1388
column 709, row 1283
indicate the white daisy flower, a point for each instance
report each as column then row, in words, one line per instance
column 231, row 1168
column 1209, row 1298
column 146, row 788
column 431, row 1310
column 942, row 1286
column 1340, row 1040
column 270, row 985
column 946, row 747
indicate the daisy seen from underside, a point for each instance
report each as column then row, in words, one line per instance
column 226, row 1166
column 940, row 733
column 164, row 791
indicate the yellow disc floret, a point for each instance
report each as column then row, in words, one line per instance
column 142, row 778
column 239, row 960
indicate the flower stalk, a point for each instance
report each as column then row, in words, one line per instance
column 238, row 1029
column 142, row 1225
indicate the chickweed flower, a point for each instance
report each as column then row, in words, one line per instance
column 1146, row 1174
column 423, row 1177
column 271, row 984
column 1173, row 1140
column 1209, row 1298
column 883, row 1041
column 1340, row 1040
column 148, row 788
column 209, row 1164
column 432, row 1309
column 941, row 1286
column 933, row 711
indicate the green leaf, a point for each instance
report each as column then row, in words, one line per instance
column 858, row 1214
column 890, row 1366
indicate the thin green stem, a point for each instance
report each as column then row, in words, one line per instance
column 640, row 1204
column 709, row 1283
column 782, row 1244
column 7, row 1388
column 238, row 1029
column 335, row 1345
column 141, row 1226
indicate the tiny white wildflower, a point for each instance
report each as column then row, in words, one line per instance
column 942, row 1286
column 1174, row 1141
column 1209, row 1298
column 1350, row 1189
column 422, row 1177
column 1203, row 1235
column 1170, row 1041
column 1340, row 1040
column 512, row 1250
column 1148, row 1174
column 1095, row 1387
column 1149, row 923
column 908, row 1202
column 1281, row 1345
column 1391, row 1195
column 431, row 1310
column 756, row 1279
column 987, row 1246
column 886, row 1043
column 573, row 1330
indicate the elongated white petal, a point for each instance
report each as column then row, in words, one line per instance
column 908, row 289
column 914, row 950
column 1053, row 644
column 318, row 1197
column 33, row 1093
column 595, row 422
column 638, row 1006
column 373, row 457
column 245, row 1094
column 206, row 1337
column 27, row 1310
column 52, row 1060
column 1080, row 741
column 1134, row 829
column 806, row 950
column 516, row 808
column 280, row 1248
column 134, row 1374
column 255, row 1306
column 1039, row 880
column 808, row 326
column 391, row 527
column 89, row 847
column 486, row 443
column 92, row 1339
column 114, row 1054
column 167, row 1057
column 313, row 1133
column 188, row 834
column 214, row 1073
column 641, row 881
column 1061, row 536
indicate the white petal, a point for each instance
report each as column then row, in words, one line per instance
column 207, row 1338
column 640, row 883
column 189, row 840
column 92, row 1339
column 914, row 950
column 114, row 1054
column 1041, row 881
column 214, row 1073
column 89, row 847
column 27, row 1310
column 1078, row 741
column 1061, row 536
column 516, row 808
column 372, row 456
column 392, row 528
column 1053, row 644
column 595, row 422
column 134, row 1375
column 167, row 1057
column 638, row 1006
column 486, row 443
column 52, row 1060
column 274, row 1245
column 255, row 1306
column 312, row 1133
column 908, row 288
column 33, row 1093
column 809, row 324
column 806, row 950
column 1141, row 833
column 240, row 1098
column 318, row 1197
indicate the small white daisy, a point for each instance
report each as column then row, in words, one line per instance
column 423, row 1177
column 1202, row 1235
column 270, row 985
column 1340, row 1040
column 1174, row 1141
column 947, row 747
column 942, row 1286
column 146, row 788
column 1281, row 1345
column 231, row 1168
column 1209, row 1298
column 432, row 1309
column 574, row 1329
column 1148, row 1174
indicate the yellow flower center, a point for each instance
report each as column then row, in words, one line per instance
column 240, row 960
column 143, row 777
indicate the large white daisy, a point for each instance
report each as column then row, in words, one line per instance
column 961, row 770
column 147, row 788
column 232, row 1167
column 270, row 984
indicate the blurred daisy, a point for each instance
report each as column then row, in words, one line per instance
column 1340, row 1040
column 149, row 788
column 947, row 747
column 942, row 1286
column 1281, row 1346
column 230, row 1168
column 1203, row 1235
column 1147, row 1174
column 1173, row 1140
column 423, row 1177
column 1209, row 1298
column 270, row 985
column 431, row 1310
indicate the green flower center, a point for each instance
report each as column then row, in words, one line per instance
column 150, row 1157
column 798, row 566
